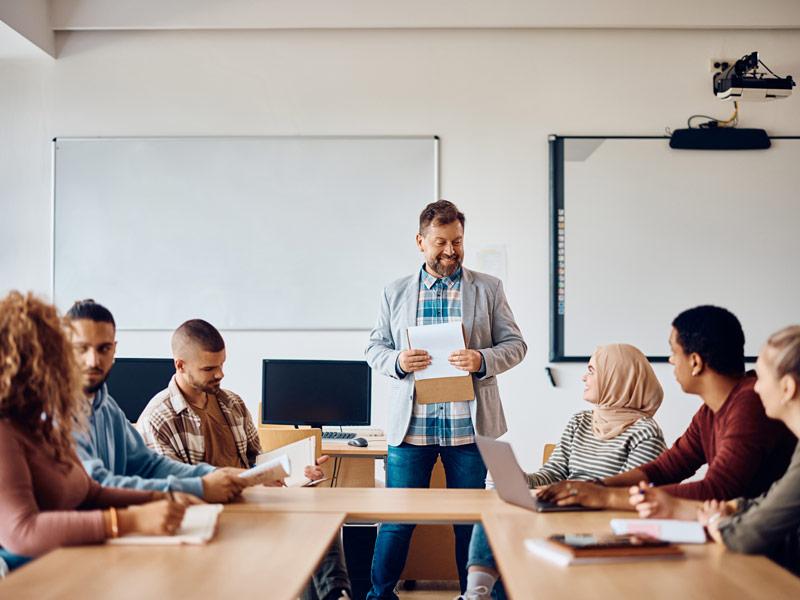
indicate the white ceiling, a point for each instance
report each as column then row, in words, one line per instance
column 37, row 20
column 15, row 45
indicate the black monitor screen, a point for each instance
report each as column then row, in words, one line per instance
column 134, row 381
column 316, row 392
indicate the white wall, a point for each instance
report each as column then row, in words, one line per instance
column 492, row 96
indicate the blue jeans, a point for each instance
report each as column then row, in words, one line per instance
column 480, row 554
column 13, row 561
column 409, row 466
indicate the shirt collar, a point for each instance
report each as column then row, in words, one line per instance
column 179, row 402
column 429, row 280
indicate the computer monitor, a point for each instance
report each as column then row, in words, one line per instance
column 134, row 381
column 316, row 392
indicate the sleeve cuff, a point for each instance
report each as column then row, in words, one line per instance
column 190, row 485
column 400, row 373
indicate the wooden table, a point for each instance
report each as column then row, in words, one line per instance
column 708, row 572
column 370, row 505
column 252, row 556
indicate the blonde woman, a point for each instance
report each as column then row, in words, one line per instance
column 769, row 524
column 46, row 498
column 616, row 435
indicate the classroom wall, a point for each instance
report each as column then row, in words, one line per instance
column 492, row 96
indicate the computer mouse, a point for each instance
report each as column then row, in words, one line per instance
column 360, row 442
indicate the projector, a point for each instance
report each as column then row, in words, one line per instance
column 744, row 82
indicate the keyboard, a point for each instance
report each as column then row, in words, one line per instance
column 338, row 435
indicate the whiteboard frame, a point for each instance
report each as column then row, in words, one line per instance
column 557, row 350
column 436, row 182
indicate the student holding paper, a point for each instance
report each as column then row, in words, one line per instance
column 111, row 450
column 745, row 451
column 46, row 498
column 441, row 291
column 617, row 435
column 195, row 420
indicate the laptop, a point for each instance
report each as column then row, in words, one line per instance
column 510, row 480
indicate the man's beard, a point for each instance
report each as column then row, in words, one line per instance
column 208, row 388
column 445, row 271
column 91, row 390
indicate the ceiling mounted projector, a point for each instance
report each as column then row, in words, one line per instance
column 743, row 81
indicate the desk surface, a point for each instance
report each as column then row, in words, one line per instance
column 709, row 571
column 375, row 448
column 252, row 556
column 379, row 504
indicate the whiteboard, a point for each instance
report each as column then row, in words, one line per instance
column 642, row 232
column 276, row 233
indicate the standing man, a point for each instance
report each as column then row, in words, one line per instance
column 441, row 291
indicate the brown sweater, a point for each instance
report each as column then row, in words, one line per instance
column 745, row 450
column 43, row 504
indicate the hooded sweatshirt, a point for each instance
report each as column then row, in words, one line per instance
column 115, row 455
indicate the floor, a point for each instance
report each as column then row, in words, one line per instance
column 432, row 590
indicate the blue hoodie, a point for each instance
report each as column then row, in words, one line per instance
column 115, row 455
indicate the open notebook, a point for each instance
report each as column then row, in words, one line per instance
column 198, row 527
column 301, row 454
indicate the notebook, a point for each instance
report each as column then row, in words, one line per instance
column 198, row 527
column 300, row 455
column 669, row 530
column 574, row 549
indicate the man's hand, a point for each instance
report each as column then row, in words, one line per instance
column 655, row 503
column 223, row 485
column 414, row 360
column 314, row 472
column 709, row 515
column 566, row 493
column 466, row 360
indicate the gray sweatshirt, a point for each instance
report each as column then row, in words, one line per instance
column 769, row 524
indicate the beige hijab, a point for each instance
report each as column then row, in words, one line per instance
column 628, row 389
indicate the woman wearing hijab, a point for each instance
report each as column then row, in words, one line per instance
column 617, row 435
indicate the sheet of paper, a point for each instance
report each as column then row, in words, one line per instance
column 268, row 471
column 669, row 530
column 301, row 454
column 198, row 527
column 440, row 341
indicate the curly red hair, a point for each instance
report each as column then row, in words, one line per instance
column 40, row 381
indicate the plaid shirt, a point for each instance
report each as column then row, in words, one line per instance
column 170, row 426
column 443, row 423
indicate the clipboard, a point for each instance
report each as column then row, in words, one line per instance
column 444, row 389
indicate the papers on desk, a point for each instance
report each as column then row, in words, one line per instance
column 440, row 341
column 275, row 468
column 300, row 454
column 198, row 527
column 669, row 530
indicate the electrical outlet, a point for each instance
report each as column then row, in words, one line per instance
column 715, row 65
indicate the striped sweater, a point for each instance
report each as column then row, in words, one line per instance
column 581, row 456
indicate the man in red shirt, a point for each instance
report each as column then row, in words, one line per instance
column 744, row 449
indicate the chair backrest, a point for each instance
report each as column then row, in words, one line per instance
column 548, row 450
column 276, row 436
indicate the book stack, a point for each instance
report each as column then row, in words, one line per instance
column 574, row 549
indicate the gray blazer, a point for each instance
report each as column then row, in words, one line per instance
column 490, row 329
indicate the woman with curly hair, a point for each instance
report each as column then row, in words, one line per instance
column 46, row 498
